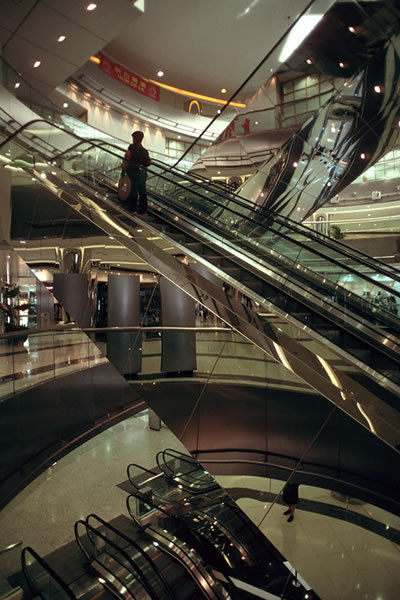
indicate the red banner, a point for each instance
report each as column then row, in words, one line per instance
column 128, row 78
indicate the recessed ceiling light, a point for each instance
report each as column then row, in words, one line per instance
column 362, row 155
column 179, row 137
column 16, row 85
column 61, row 38
column 377, row 89
column 309, row 61
column 223, row 91
column 160, row 73
column 342, row 65
column 37, row 64
column 91, row 6
column 219, row 111
column 351, row 29
column 65, row 105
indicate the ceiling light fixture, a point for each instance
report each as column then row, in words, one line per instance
column 223, row 91
column 377, row 89
column 16, row 85
column 61, row 38
column 298, row 34
column 160, row 73
column 342, row 65
column 65, row 105
column 91, row 6
column 309, row 61
column 351, row 29
column 37, row 64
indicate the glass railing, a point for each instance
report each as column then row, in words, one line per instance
column 34, row 357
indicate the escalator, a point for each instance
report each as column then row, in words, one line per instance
column 288, row 276
column 147, row 568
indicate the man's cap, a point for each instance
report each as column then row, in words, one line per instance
column 137, row 135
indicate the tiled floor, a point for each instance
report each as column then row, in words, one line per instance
column 339, row 560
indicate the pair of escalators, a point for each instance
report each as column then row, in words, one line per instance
column 187, row 540
column 294, row 281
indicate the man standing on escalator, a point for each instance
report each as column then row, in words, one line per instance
column 135, row 165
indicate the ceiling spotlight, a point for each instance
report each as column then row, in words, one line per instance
column 61, row 38
column 16, row 85
column 37, row 64
column 179, row 137
column 160, row 73
column 351, row 29
column 378, row 89
column 295, row 164
column 362, row 155
column 309, row 61
column 342, row 65
column 65, row 105
column 219, row 111
column 223, row 91
column 91, row 6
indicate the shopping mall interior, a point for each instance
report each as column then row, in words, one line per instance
column 199, row 352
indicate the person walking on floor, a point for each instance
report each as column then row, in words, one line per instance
column 135, row 165
column 290, row 496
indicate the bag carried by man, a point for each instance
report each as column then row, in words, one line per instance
column 124, row 188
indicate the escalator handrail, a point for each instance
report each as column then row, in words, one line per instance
column 47, row 568
column 326, row 241
column 137, row 547
column 152, row 474
column 92, row 530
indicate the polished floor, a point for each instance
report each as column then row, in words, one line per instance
column 340, row 560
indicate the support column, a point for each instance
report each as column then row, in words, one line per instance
column 124, row 349
column 72, row 292
column 178, row 354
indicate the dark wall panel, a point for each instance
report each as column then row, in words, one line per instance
column 280, row 427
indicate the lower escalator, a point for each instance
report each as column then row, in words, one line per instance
column 143, row 564
column 45, row 583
